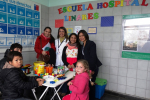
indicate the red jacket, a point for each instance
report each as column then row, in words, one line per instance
column 37, row 46
column 80, row 87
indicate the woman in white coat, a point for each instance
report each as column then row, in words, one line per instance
column 60, row 43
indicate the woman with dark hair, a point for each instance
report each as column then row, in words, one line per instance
column 60, row 43
column 69, row 58
column 88, row 52
column 45, row 45
column 70, row 52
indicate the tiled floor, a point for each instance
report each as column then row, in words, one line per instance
column 107, row 96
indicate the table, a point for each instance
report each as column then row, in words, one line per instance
column 69, row 75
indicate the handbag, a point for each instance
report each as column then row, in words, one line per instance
column 45, row 58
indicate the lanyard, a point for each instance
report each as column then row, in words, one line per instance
column 60, row 44
column 83, row 50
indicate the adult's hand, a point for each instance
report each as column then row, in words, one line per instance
column 72, row 66
column 44, row 53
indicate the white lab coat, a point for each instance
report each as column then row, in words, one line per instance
column 59, row 53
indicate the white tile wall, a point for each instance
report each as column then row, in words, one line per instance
column 121, row 88
column 131, row 81
column 128, row 76
column 140, row 92
column 130, row 90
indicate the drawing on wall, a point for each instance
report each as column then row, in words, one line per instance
column 69, row 31
column 77, row 29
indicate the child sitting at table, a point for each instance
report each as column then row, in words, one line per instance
column 12, row 79
column 80, row 84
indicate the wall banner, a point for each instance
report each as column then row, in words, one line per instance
column 19, row 22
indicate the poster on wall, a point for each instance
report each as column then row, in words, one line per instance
column 136, row 36
column 92, row 30
column 69, row 31
column 20, row 22
column 77, row 29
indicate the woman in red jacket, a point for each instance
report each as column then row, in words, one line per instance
column 48, row 45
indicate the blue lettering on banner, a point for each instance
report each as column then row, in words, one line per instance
column 21, row 20
column 20, row 36
column 3, row 28
column 21, row 30
column 36, row 15
column 12, row 1
column 12, row 19
column 29, row 13
column 3, row 17
column 2, row 6
column 12, row 29
column 20, row 4
column 29, row 31
column 36, row 23
column 30, row 36
column 36, row 31
column 21, row 11
column 11, row 8
column 28, row 6
column 29, row 22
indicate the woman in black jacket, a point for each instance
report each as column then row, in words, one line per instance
column 88, row 52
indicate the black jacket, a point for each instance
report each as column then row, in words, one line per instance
column 64, row 57
column 90, row 55
column 13, row 82
column 3, row 61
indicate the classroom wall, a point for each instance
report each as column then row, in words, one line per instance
column 43, row 2
column 65, row 2
column 126, row 76
column 30, row 56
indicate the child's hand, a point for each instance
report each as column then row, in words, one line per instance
column 69, row 83
column 40, row 82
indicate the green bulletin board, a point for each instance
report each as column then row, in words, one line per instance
column 136, row 36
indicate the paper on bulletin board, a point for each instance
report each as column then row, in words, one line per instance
column 18, row 40
column 92, row 30
column 69, row 31
column 2, row 41
column 59, row 23
column 18, row 20
column 77, row 29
